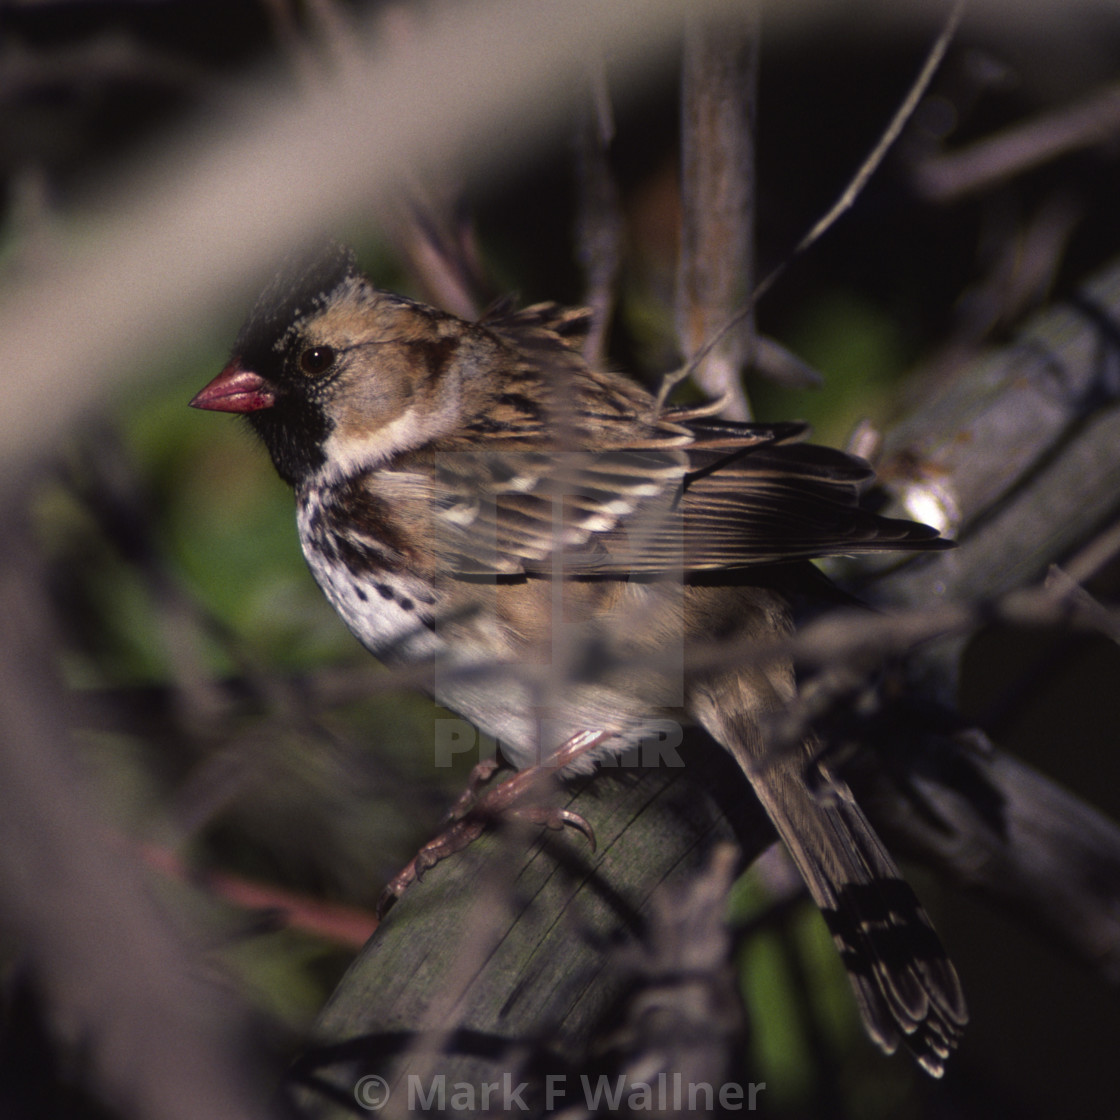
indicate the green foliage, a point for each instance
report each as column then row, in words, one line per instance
column 860, row 351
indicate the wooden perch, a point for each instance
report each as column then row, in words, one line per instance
column 506, row 959
column 1016, row 456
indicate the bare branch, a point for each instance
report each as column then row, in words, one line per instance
column 346, row 925
column 947, row 176
column 716, row 270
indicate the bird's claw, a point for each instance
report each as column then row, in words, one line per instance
column 471, row 813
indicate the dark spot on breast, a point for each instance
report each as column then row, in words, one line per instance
column 323, row 543
column 406, row 604
column 359, row 592
column 382, row 542
column 384, row 590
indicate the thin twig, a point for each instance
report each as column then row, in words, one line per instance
column 843, row 637
column 345, row 925
column 878, row 153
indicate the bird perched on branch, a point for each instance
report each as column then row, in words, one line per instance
column 558, row 547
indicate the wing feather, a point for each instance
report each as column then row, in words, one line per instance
column 626, row 490
column 710, row 506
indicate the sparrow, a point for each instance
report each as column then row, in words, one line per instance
column 555, row 545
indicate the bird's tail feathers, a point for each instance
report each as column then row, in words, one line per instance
column 905, row 985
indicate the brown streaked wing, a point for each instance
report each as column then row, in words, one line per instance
column 712, row 506
column 511, row 512
column 786, row 501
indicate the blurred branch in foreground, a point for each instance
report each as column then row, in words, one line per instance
column 122, row 981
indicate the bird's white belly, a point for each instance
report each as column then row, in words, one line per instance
column 530, row 715
column 390, row 620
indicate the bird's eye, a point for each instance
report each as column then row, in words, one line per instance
column 316, row 360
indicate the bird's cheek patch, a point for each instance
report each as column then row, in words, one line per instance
column 358, row 443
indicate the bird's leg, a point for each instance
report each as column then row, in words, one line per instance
column 471, row 813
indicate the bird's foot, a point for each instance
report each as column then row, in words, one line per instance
column 472, row 812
